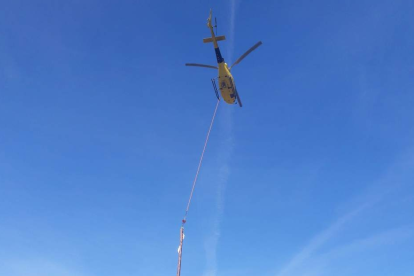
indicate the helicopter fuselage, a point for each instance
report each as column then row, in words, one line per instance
column 226, row 83
column 225, row 79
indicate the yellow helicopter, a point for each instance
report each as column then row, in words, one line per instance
column 226, row 82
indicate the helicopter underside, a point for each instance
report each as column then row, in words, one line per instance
column 227, row 89
column 226, row 84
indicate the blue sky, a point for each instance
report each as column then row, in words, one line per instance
column 102, row 126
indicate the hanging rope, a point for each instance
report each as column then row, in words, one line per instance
column 180, row 248
column 199, row 164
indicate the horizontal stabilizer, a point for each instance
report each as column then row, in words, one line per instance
column 210, row 39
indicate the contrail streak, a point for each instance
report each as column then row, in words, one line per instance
column 226, row 150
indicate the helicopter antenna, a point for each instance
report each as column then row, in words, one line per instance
column 215, row 22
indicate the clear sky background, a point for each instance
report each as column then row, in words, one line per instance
column 102, row 126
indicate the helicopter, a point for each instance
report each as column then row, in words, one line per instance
column 226, row 82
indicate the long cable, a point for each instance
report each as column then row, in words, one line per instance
column 180, row 248
column 199, row 164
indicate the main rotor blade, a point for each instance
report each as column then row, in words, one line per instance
column 201, row 65
column 245, row 54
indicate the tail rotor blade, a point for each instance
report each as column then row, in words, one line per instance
column 245, row 54
column 201, row 65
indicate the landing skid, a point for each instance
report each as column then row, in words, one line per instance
column 236, row 93
column 238, row 101
column 238, row 98
column 213, row 81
